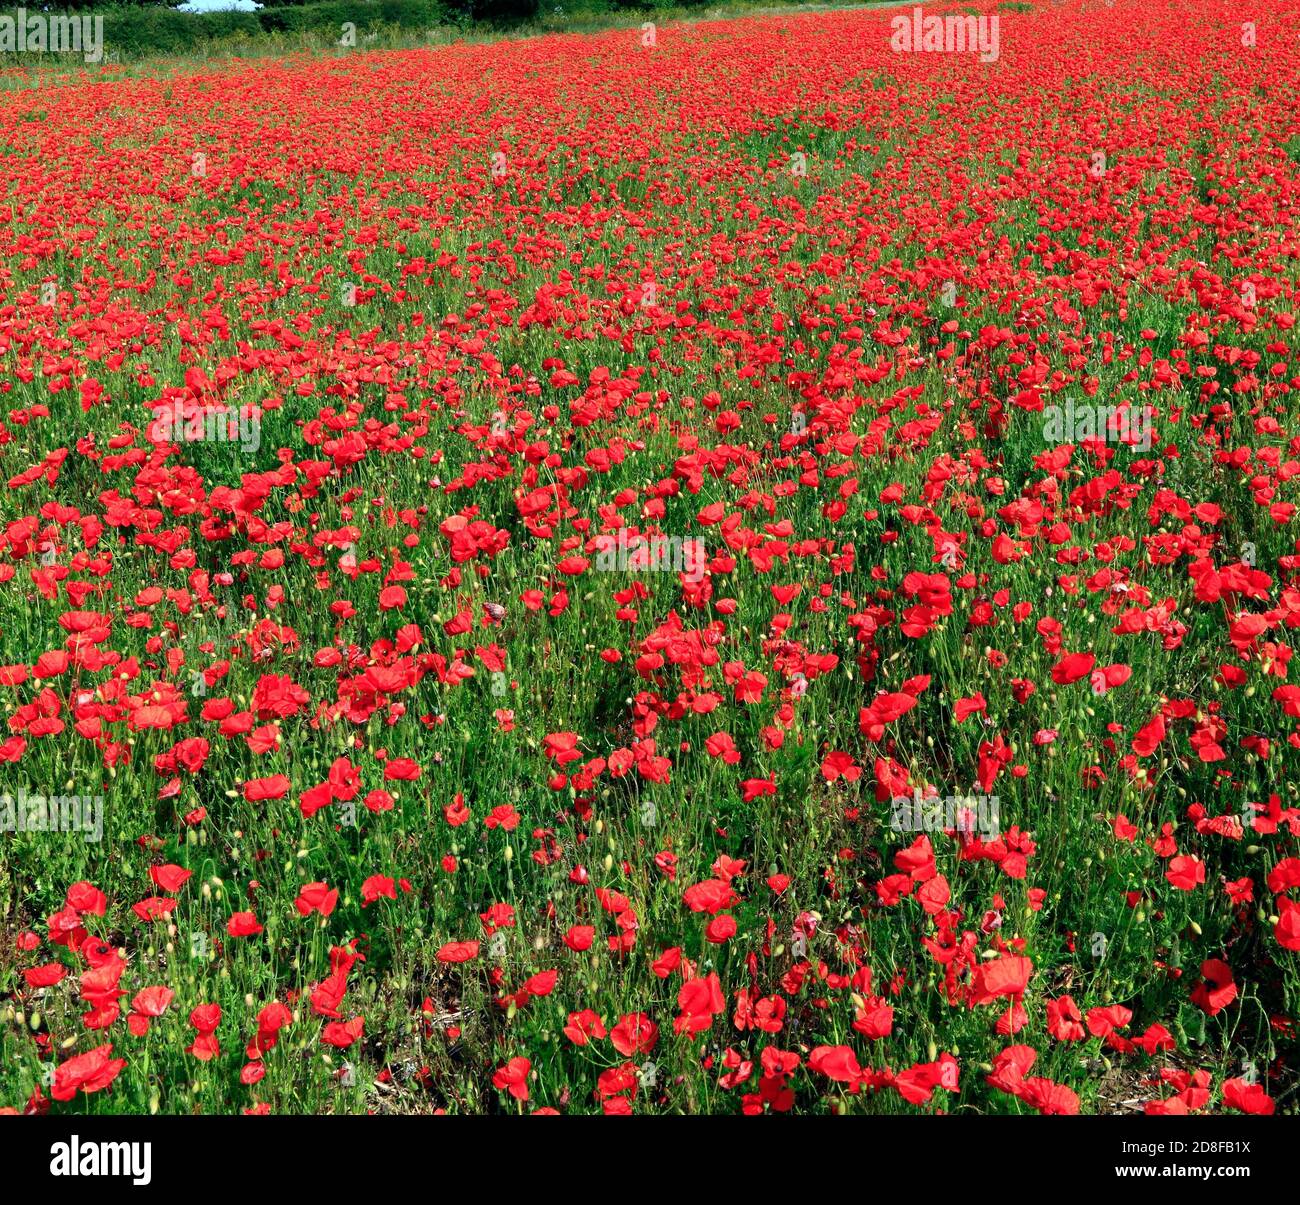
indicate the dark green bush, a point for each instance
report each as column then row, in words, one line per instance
column 134, row 31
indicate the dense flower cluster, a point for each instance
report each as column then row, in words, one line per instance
column 328, row 387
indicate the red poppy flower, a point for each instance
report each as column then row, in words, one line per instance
column 513, row 1078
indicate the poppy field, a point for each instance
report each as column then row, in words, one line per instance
column 739, row 567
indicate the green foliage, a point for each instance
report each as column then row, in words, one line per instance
column 147, row 29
